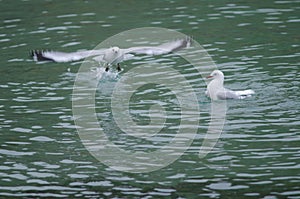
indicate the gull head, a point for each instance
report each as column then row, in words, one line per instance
column 115, row 49
column 216, row 74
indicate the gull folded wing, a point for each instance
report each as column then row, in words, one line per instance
column 245, row 92
column 227, row 94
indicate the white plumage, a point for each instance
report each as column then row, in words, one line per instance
column 216, row 90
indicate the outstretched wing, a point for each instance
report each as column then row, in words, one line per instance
column 161, row 49
column 56, row 56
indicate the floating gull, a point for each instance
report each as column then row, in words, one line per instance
column 113, row 55
column 216, row 90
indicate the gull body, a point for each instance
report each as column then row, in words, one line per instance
column 216, row 90
column 112, row 56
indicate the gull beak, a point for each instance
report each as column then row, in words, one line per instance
column 208, row 77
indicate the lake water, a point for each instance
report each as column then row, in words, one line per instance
column 256, row 45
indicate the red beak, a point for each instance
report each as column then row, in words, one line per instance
column 209, row 77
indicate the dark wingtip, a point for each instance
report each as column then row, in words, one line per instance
column 38, row 55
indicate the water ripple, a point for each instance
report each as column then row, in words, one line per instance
column 254, row 44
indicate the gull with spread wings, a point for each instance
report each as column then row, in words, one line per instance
column 111, row 56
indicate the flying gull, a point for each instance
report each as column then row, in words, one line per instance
column 111, row 56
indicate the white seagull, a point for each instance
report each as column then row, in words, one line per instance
column 113, row 55
column 216, row 90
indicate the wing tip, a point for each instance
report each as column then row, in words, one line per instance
column 188, row 41
column 39, row 55
column 185, row 43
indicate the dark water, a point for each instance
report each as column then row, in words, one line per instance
column 256, row 45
